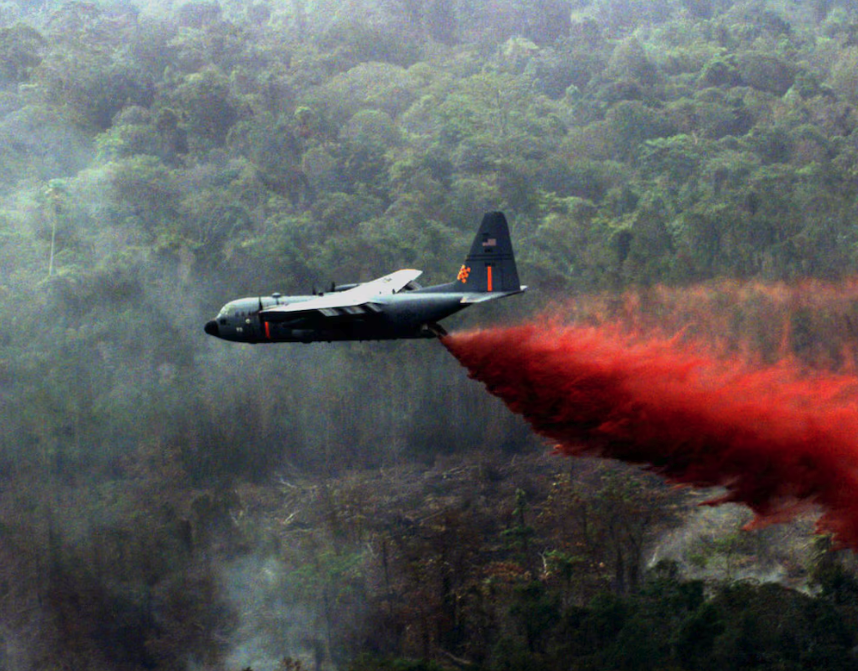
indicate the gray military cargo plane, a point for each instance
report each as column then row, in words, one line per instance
column 389, row 308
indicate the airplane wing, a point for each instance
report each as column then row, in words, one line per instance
column 354, row 301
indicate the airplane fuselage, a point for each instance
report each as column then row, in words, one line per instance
column 388, row 308
column 406, row 315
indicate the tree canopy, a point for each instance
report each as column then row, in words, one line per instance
column 162, row 158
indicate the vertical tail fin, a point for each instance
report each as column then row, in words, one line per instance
column 490, row 266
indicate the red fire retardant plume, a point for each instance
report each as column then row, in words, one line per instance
column 779, row 438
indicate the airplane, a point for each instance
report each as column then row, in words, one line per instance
column 388, row 308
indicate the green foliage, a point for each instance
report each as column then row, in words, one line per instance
column 143, row 194
column 629, row 124
column 21, row 49
column 366, row 662
column 535, row 612
column 351, row 41
column 206, row 106
column 766, row 72
column 629, row 62
column 158, row 161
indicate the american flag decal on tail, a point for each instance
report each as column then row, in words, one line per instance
column 490, row 264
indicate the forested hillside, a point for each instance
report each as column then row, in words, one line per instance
column 168, row 501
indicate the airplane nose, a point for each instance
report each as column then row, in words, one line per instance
column 211, row 328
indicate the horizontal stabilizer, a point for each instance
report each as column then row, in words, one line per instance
column 483, row 297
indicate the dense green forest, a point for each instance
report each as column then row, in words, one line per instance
column 168, row 501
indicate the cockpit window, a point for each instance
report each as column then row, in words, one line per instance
column 226, row 311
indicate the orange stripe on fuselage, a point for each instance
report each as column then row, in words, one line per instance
column 489, row 268
column 268, row 330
